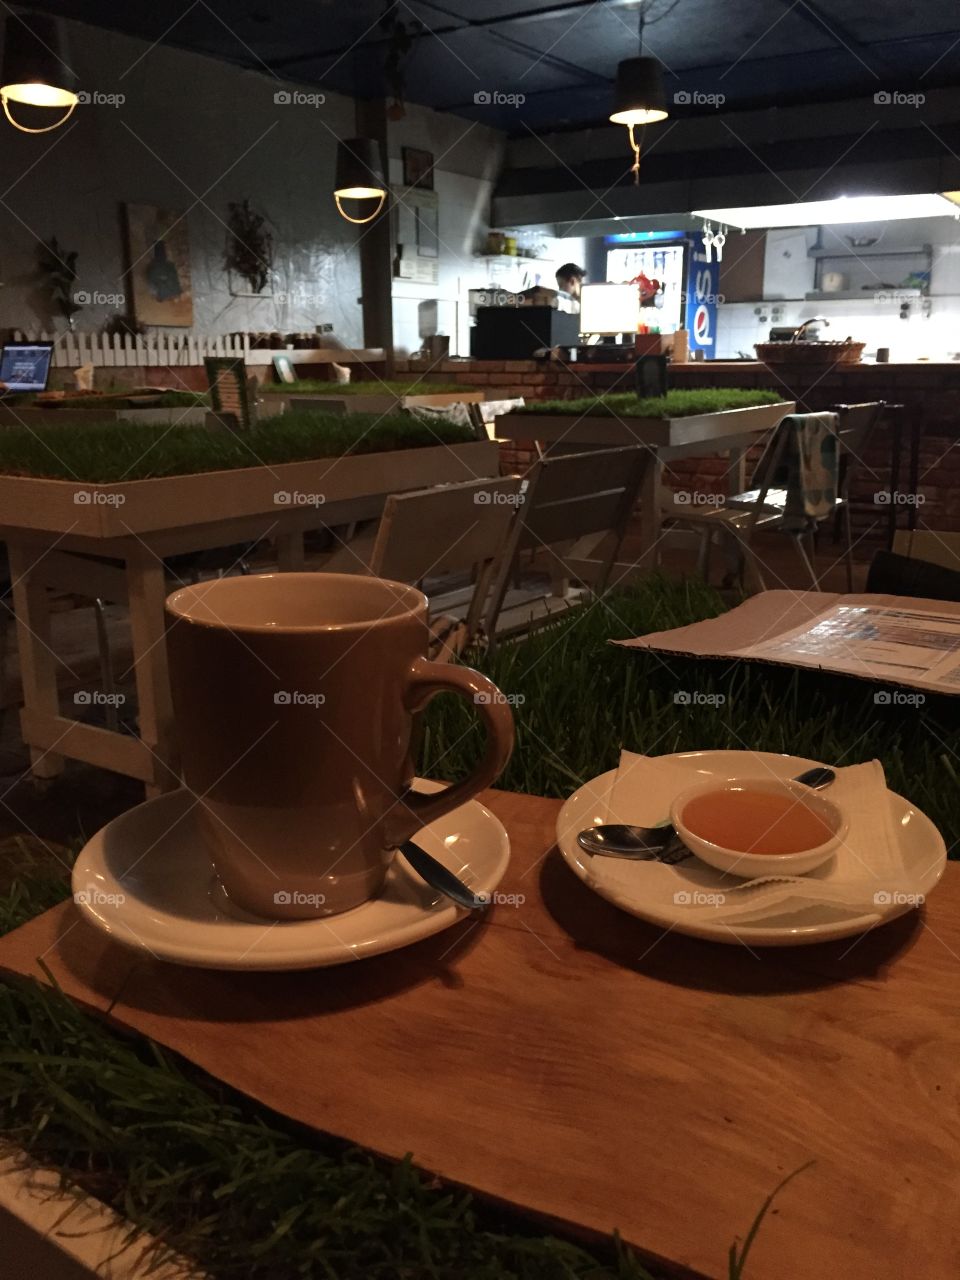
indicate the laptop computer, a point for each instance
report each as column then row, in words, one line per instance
column 25, row 366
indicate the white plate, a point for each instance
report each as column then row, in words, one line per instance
column 147, row 880
column 630, row 885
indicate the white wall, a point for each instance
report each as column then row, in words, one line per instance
column 932, row 329
column 467, row 159
column 194, row 134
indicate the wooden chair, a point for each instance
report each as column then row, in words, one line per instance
column 437, row 532
column 574, row 506
column 763, row 508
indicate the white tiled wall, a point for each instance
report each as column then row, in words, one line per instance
column 932, row 329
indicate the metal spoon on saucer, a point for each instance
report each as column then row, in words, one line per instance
column 439, row 877
column 646, row 844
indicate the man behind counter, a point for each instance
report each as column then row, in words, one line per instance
column 569, row 279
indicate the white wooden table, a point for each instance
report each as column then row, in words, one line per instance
column 110, row 540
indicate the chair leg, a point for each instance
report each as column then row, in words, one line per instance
column 848, row 545
column 106, row 666
column 806, row 555
column 703, row 553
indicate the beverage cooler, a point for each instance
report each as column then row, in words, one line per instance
column 689, row 281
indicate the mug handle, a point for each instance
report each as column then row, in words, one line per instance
column 415, row 809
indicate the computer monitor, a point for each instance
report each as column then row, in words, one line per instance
column 609, row 308
column 25, row 366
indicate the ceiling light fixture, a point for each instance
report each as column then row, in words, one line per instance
column 359, row 176
column 639, row 96
column 34, row 71
column 810, row 213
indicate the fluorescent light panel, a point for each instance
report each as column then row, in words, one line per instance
column 810, row 213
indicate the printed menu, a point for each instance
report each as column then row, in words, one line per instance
column 914, row 645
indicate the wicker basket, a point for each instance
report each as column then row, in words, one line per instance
column 809, row 352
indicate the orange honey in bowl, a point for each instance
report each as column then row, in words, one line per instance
column 757, row 822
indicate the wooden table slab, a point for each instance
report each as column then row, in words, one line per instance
column 568, row 1059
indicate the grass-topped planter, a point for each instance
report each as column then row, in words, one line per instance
column 115, row 479
column 367, row 397
column 678, row 419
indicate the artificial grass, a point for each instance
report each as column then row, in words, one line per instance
column 675, row 404
column 374, row 387
column 115, row 451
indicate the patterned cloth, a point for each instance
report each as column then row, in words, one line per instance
column 801, row 457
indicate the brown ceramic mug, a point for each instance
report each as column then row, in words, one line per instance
column 294, row 696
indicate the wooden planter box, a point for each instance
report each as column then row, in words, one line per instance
column 10, row 417
column 697, row 429
column 375, row 402
column 63, row 1234
column 146, row 506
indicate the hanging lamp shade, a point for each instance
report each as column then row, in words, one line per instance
column 359, row 175
column 639, row 96
column 34, row 70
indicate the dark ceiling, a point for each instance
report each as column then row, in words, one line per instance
column 561, row 56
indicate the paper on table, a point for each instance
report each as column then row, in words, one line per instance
column 868, row 863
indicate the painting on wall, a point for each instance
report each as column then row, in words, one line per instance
column 158, row 242
column 417, row 168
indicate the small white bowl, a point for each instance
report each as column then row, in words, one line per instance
column 740, row 863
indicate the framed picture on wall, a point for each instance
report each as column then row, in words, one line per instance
column 418, row 168
column 158, row 244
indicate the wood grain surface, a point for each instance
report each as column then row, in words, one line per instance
column 566, row 1058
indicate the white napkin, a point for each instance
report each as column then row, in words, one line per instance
column 864, row 875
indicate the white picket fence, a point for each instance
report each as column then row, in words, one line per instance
column 73, row 349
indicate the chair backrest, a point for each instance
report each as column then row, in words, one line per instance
column 571, row 495
column 568, row 498
column 444, row 529
column 856, row 422
column 229, row 390
column 898, row 575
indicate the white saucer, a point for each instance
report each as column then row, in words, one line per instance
column 147, row 880
column 648, row 889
